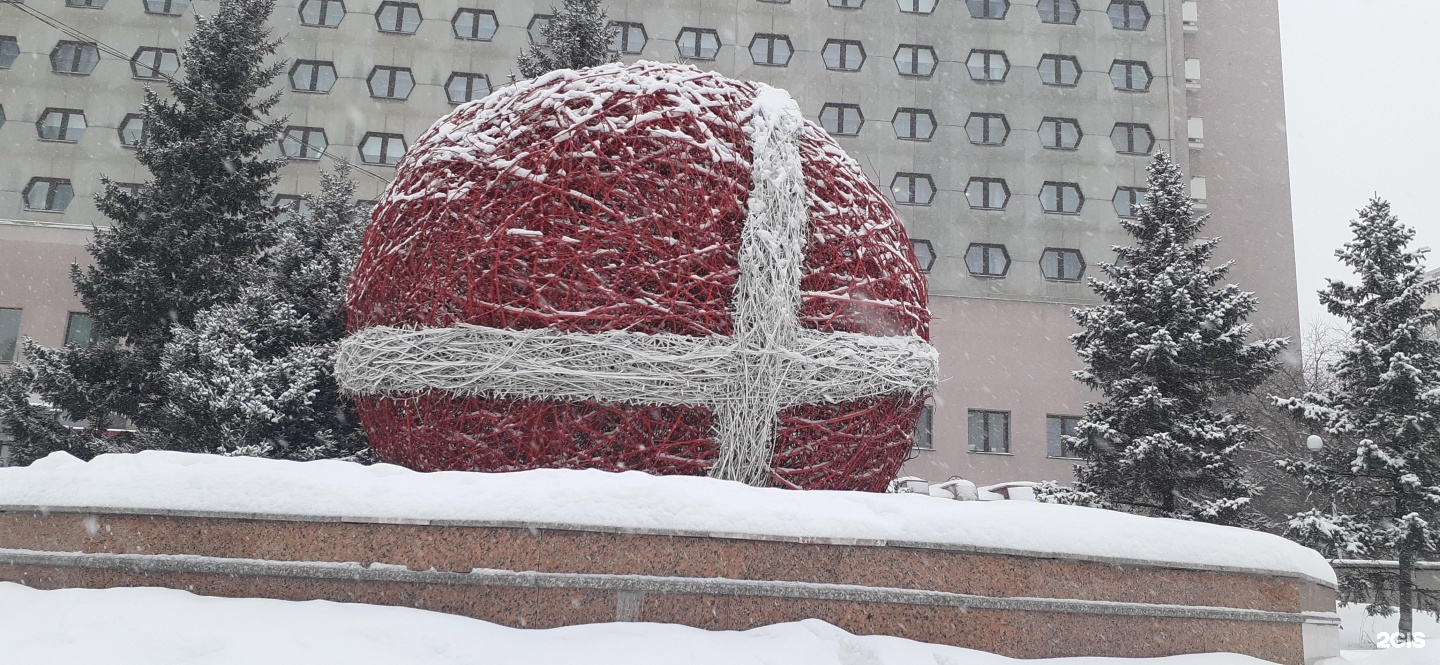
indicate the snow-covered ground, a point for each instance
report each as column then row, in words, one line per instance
column 155, row 626
column 633, row 500
column 1358, row 629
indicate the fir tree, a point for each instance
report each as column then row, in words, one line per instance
column 192, row 238
column 256, row 376
column 578, row 36
column 1378, row 482
column 1163, row 348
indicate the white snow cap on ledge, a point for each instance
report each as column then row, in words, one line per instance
column 166, row 481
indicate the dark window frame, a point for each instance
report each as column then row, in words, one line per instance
column 913, row 128
column 470, row 78
column 64, row 126
column 325, row 13
column 986, row 117
column 124, row 123
column 1060, row 449
column 988, row 54
column 987, row 447
column 400, row 9
column 166, row 7
column 1130, row 67
column 623, row 30
column 315, row 67
column 1059, row 254
column 840, row 109
column 1058, row 68
column 392, row 75
column 1133, row 196
column 842, row 44
column 49, row 194
column 77, row 60
column 1126, row 20
column 305, row 142
column 771, row 39
column 699, row 33
column 7, row 356
column 986, row 9
column 925, row 266
column 924, row 437
column 1130, row 129
column 911, row 179
column 1056, row 14
column 987, row 181
column 1057, row 135
column 70, row 329
column 1061, row 187
column 474, row 15
column 384, row 138
column 155, row 65
column 915, row 50
column 986, row 260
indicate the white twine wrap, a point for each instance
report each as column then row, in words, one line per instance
column 770, row 363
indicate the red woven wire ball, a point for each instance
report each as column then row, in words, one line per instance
column 614, row 199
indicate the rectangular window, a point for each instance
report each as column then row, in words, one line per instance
column 9, row 333
column 925, row 429
column 1056, row 429
column 989, row 431
column 80, row 330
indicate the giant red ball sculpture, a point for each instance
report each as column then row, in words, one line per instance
column 642, row 267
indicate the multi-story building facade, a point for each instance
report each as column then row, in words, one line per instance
column 1012, row 135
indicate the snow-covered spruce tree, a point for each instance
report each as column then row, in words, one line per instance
column 192, row 238
column 1163, row 348
column 255, row 377
column 578, row 36
column 1377, row 483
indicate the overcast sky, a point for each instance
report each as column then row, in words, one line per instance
column 1362, row 87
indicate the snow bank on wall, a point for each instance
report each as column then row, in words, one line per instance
column 148, row 626
column 553, row 497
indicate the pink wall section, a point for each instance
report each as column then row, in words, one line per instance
column 35, row 276
column 1001, row 355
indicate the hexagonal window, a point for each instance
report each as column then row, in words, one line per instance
column 1060, row 70
column 132, row 130
column 846, row 55
column 988, row 9
column 915, row 60
column 322, row 13
column 398, row 17
column 987, row 128
column 476, row 24
column 9, row 50
column 390, row 82
column 166, row 7
column 312, row 76
column 304, row 142
column 1062, row 198
column 48, row 194
column 914, row 124
column 629, row 37
column 917, row 6
column 151, row 62
column 771, row 50
column 1132, row 138
column 1130, row 75
column 86, row 4
column 915, row 189
column 846, row 4
column 1062, row 265
column 924, row 253
column 991, row 66
column 698, row 43
column 842, row 119
column 987, row 260
column 987, row 193
column 77, row 58
column 291, row 207
column 382, row 149
column 539, row 23
column 464, row 87
column 1126, row 200
column 1128, row 14
column 1064, row 12
column 1060, row 133
column 61, row 125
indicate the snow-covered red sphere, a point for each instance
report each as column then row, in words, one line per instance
column 641, row 267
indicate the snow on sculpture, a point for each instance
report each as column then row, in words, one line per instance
column 639, row 267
